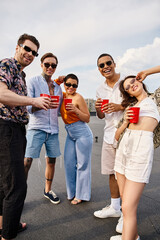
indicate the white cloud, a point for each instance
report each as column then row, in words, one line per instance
column 138, row 59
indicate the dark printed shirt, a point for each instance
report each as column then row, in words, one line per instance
column 15, row 81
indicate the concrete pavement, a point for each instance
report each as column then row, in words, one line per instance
column 67, row 222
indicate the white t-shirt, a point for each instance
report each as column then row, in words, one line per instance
column 112, row 119
column 148, row 108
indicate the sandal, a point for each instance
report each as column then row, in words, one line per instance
column 76, row 201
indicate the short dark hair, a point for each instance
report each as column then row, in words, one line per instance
column 47, row 55
column 26, row 36
column 127, row 99
column 105, row 55
column 71, row 75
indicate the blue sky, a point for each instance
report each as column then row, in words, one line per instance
column 78, row 31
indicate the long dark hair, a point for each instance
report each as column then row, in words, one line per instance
column 127, row 99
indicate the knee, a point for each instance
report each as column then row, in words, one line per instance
column 128, row 209
column 51, row 161
column 27, row 163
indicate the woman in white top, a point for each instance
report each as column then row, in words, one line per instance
column 134, row 155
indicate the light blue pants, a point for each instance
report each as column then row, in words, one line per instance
column 77, row 160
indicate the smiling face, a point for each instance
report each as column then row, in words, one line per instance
column 133, row 87
column 49, row 66
column 70, row 90
column 106, row 66
column 23, row 57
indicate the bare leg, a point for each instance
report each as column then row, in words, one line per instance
column 114, row 189
column 49, row 172
column 27, row 165
column 130, row 198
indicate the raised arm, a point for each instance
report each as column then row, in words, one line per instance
column 143, row 74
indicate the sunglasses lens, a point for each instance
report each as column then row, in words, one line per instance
column 47, row 65
column 53, row 66
column 35, row 54
column 74, row 85
column 133, row 80
column 109, row 63
column 68, row 84
column 101, row 65
column 127, row 88
column 27, row 49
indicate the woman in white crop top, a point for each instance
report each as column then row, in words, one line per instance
column 134, row 155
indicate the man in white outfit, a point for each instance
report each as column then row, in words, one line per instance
column 112, row 112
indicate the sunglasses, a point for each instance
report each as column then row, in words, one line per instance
column 47, row 65
column 108, row 63
column 129, row 85
column 28, row 49
column 73, row 85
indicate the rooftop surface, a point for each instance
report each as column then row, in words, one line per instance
column 64, row 221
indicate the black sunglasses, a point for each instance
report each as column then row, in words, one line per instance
column 108, row 63
column 47, row 65
column 129, row 85
column 28, row 49
column 73, row 85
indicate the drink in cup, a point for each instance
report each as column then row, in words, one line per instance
column 66, row 101
column 135, row 114
column 104, row 101
column 55, row 99
column 44, row 95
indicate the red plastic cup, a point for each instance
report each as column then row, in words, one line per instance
column 104, row 101
column 55, row 99
column 66, row 101
column 136, row 114
column 44, row 95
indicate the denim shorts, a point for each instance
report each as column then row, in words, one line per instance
column 35, row 140
column 134, row 156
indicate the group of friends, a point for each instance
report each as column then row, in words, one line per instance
column 126, row 159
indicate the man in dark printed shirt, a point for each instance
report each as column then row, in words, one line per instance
column 13, row 117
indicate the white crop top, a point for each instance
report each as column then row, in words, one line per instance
column 148, row 108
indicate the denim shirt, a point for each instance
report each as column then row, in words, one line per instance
column 43, row 120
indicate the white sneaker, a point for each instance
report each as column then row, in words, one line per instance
column 117, row 237
column 119, row 226
column 106, row 212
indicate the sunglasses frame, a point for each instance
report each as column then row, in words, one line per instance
column 108, row 63
column 28, row 49
column 129, row 85
column 52, row 65
column 73, row 85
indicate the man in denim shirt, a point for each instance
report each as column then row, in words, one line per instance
column 43, row 126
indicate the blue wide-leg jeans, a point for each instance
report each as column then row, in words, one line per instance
column 77, row 160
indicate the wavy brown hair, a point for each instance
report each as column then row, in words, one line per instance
column 127, row 99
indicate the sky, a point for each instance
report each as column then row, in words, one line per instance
column 78, row 31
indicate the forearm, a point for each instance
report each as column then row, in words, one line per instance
column 152, row 70
column 120, row 130
column 10, row 98
column 100, row 114
column 84, row 117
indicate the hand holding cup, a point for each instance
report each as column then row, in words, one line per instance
column 67, row 103
column 54, row 101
